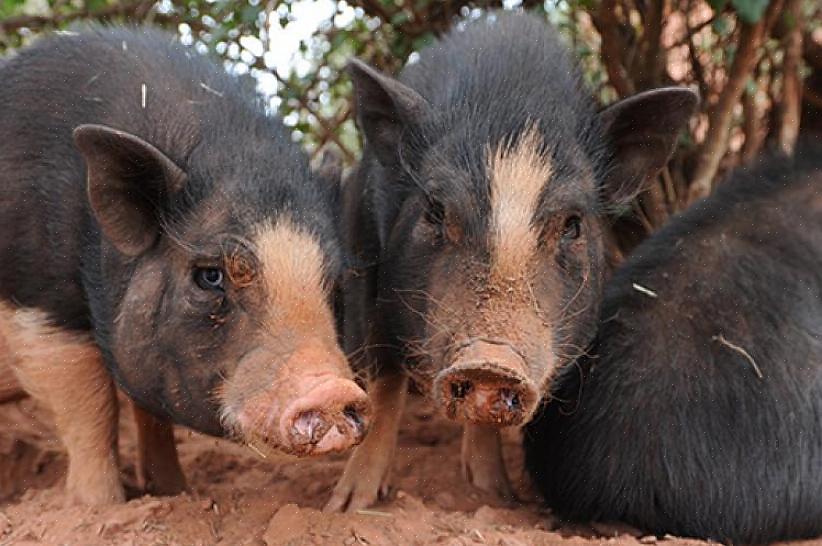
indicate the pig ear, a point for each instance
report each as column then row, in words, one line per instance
column 384, row 108
column 642, row 131
column 128, row 179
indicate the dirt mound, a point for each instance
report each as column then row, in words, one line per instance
column 238, row 498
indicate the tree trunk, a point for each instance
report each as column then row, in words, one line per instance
column 789, row 107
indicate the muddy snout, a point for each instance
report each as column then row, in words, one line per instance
column 331, row 416
column 486, row 385
column 311, row 404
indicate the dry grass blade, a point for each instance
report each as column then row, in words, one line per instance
column 732, row 346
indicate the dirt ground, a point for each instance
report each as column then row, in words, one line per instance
column 238, row 498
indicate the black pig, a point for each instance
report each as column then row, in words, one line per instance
column 160, row 228
column 478, row 216
column 699, row 412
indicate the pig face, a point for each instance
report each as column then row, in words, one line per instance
column 220, row 299
column 495, row 257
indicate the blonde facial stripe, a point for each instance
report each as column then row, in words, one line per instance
column 518, row 174
column 291, row 262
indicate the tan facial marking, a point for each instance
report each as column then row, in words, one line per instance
column 291, row 266
column 517, row 173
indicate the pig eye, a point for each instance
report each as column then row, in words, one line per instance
column 573, row 228
column 209, row 278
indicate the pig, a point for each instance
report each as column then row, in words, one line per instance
column 477, row 223
column 699, row 410
column 162, row 233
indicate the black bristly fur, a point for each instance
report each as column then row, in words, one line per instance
column 242, row 167
column 668, row 426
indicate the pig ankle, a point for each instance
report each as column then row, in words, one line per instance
column 94, row 480
column 482, row 462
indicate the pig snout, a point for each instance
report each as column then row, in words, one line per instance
column 487, row 384
column 311, row 406
column 330, row 416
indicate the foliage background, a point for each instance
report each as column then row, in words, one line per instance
column 756, row 63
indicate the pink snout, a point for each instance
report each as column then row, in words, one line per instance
column 331, row 417
column 486, row 385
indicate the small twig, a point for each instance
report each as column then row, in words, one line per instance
column 211, row 90
column 256, row 450
column 647, row 291
column 721, row 339
column 364, row 512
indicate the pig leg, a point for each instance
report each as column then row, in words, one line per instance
column 65, row 371
column 158, row 467
column 365, row 478
column 482, row 462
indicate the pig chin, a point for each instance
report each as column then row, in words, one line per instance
column 298, row 413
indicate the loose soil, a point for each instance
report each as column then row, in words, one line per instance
column 238, row 498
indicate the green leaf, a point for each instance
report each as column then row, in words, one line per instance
column 750, row 11
column 94, row 5
column 717, row 5
column 249, row 14
column 399, row 18
column 10, row 7
column 721, row 26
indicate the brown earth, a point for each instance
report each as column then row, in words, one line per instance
column 238, row 498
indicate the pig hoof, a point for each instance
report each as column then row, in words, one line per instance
column 91, row 495
column 363, row 483
column 350, row 497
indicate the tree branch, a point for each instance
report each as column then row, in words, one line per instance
column 720, row 116
column 606, row 23
column 789, row 107
column 136, row 10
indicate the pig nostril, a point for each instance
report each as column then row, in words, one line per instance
column 353, row 417
column 510, row 399
column 460, row 389
column 307, row 424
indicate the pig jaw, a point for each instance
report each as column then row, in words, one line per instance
column 312, row 406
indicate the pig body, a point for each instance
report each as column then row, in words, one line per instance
column 698, row 413
column 477, row 218
column 159, row 228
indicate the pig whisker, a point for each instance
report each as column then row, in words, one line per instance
column 582, row 285
column 429, row 297
column 424, row 316
column 367, row 347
